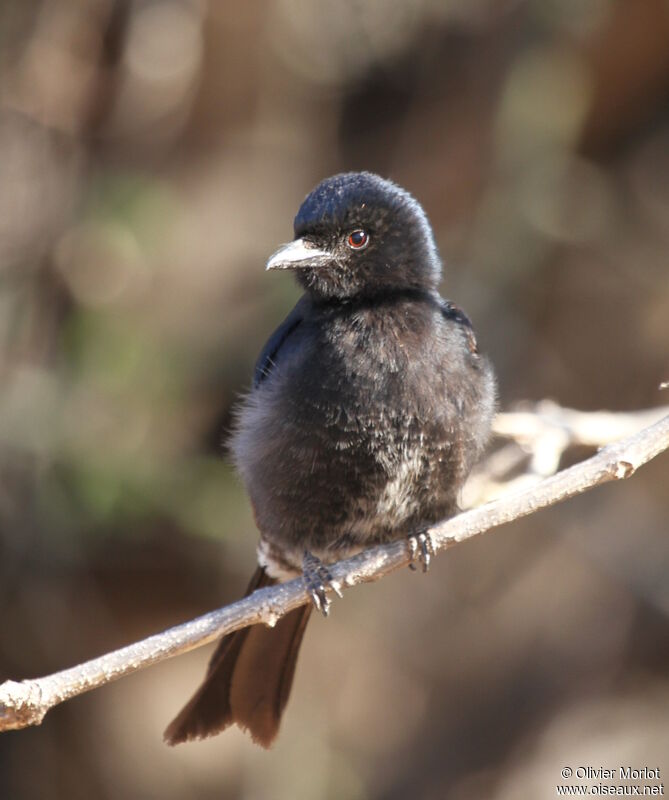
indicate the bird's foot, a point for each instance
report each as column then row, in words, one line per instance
column 421, row 548
column 318, row 579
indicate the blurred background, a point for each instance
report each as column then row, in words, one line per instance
column 152, row 155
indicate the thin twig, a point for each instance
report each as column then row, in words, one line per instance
column 25, row 703
column 538, row 436
column 594, row 428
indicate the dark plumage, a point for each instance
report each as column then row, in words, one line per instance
column 370, row 403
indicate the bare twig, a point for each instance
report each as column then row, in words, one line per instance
column 590, row 428
column 25, row 703
column 538, row 436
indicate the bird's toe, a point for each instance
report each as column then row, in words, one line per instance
column 421, row 548
column 318, row 579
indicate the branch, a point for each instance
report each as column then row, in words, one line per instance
column 538, row 437
column 25, row 703
column 546, row 419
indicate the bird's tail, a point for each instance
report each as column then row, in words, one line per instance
column 248, row 680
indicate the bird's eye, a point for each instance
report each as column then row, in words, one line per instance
column 357, row 240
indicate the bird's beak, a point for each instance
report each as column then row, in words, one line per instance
column 298, row 253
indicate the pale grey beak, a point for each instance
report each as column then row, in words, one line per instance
column 298, row 254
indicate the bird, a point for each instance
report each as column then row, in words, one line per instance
column 369, row 406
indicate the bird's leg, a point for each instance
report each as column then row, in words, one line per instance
column 421, row 547
column 318, row 579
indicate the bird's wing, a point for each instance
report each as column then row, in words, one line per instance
column 456, row 314
column 270, row 353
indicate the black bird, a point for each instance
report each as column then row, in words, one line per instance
column 370, row 404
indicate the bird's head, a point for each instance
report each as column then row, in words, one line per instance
column 359, row 235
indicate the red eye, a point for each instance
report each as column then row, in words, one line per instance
column 358, row 239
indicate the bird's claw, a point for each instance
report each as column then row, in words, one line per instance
column 421, row 548
column 318, row 579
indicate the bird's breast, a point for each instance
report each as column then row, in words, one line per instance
column 353, row 437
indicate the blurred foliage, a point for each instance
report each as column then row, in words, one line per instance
column 152, row 155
